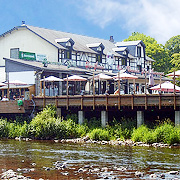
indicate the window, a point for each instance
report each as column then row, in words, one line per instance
column 68, row 54
column 123, row 62
column 147, row 68
column 139, row 68
column 99, row 58
column 139, row 51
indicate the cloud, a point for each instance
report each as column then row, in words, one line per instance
column 157, row 18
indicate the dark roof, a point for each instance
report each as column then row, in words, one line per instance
column 80, row 41
column 38, row 66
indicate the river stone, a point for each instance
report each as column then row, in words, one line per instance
column 173, row 172
column 139, row 174
column 153, row 176
column 162, row 176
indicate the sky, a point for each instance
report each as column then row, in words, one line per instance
column 159, row 19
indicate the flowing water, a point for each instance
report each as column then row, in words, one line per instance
column 36, row 159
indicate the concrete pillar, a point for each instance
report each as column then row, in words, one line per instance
column 104, row 118
column 81, row 116
column 59, row 112
column 177, row 118
column 140, row 118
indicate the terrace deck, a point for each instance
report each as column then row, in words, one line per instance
column 105, row 102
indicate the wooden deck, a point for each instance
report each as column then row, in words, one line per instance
column 90, row 102
column 143, row 101
column 11, row 107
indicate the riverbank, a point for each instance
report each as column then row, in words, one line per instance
column 117, row 142
column 46, row 126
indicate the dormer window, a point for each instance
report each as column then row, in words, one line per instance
column 121, row 50
column 98, row 47
column 65, row 42
column 68, row 44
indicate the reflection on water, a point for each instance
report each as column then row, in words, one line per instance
column 21, row 154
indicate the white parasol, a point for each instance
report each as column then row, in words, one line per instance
column 125, row 76
column 166, row 87
column 51, row 79
column 75, row 78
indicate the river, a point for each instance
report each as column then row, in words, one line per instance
column 38, row 159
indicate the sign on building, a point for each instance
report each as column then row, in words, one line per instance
column 41, row 57
column 27, row 55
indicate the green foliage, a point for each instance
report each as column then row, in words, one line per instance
column 139, row 133
column 43, row 125
column 3, row 128
column 93, row 123
column 99, row 134
column 46, row 126
column 74, row 117
column 175, row 61
column 172, row 46
column 153, row 50
column 166, row 133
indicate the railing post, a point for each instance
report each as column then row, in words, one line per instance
column 160, row 101
column 145, row 101
column 132, row 101
column 44, row 95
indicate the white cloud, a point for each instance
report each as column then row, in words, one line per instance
column 157, row 18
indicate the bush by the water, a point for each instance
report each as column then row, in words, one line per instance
column 99, row 134
column 164, row 132
column 46, row 125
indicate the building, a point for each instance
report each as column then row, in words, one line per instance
column 42, row 52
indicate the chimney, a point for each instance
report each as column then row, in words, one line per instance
column 111, row 39
column 23, row 23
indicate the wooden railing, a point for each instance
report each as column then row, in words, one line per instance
column 136, row 101
column 143, row 101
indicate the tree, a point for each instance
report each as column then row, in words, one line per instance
column 153, row 50
column 173, row 45
column 175, row 61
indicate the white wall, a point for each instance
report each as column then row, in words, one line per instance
column 2, row 74
column 26, row 41
column 27, row 76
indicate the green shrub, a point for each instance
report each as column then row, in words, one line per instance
column 139, row 133
column 43, row 125
column 4, row 131
column 14, row 130
column 167, row 133
column 81, row 130
column 93, row 123
column 99, row 134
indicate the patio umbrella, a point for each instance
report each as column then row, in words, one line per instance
column 125, row 76
column 51, row 79
column 177, row 73
column 166, row 86
column 16, row 82
column 2, row 84
column 75, row 78
column 102, row 77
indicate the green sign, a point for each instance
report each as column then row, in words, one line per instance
column 27, row 55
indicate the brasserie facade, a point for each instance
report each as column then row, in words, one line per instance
column 46, row 52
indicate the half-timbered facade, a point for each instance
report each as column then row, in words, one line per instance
column 71, row 50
